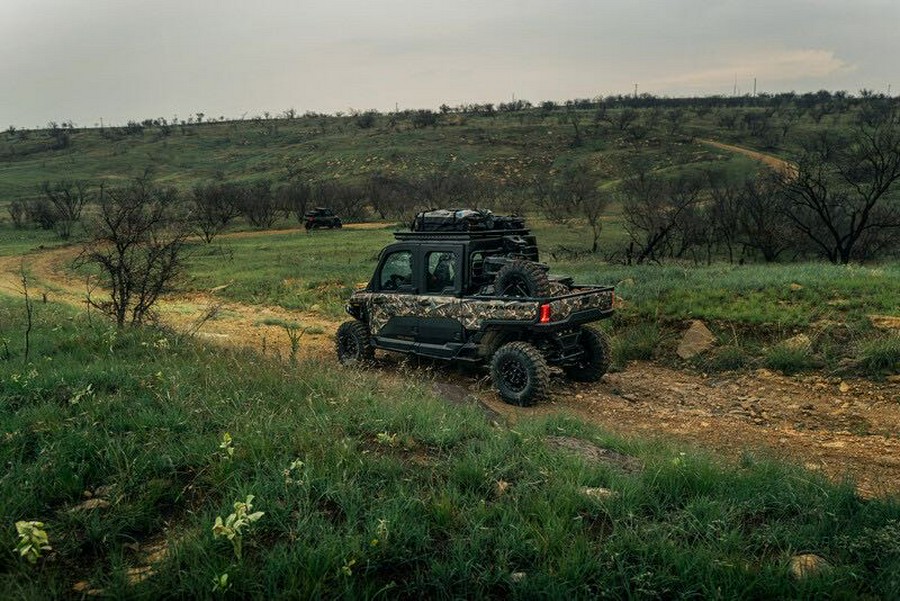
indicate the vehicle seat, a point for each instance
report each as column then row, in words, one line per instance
column 443, row 274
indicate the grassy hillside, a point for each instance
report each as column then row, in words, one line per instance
column 504, row 147
column 369, row 486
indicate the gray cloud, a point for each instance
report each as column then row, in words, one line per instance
column 121, row 59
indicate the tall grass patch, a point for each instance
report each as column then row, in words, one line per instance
column 879, row 355
column 129, row 444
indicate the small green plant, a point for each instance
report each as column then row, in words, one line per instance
column 293, row 474
column 233, row 526
column 381, row 533
column 33, row 540
column 347, row 568
column 387, row 439
column 226, row 448
column 294, row 331
column 221, row 584
column 81, row 393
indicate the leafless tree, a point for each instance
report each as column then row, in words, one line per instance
column 17, row 213
column 137, row 243
column 553, row 206
column 725, row 211
column 294, row 198
column 577, row 187
column 840, row 189
column 258, row 204
column 762, row 217
column 653, row 209
column 215, row 205
column 348, row 201
column 67, row 199
column 674, row 122
column 511, row 199
column 391, row 196
column 41, row 213
column 573, row 118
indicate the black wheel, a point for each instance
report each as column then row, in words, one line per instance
column 522, row 279
column 520, row 374
column 595, row 356
column 338, row 225
column 353, row 344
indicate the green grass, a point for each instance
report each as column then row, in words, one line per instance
column 724, row 358
column 503, row 148
column 880, row 354
column 397, row 494
column 296, row 270
column 15, row 242
column 788, row 359
column 755, row 306
column 293, row 269
column 637, row 341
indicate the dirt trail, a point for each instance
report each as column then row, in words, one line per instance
column 841, row 428
column 767, row 159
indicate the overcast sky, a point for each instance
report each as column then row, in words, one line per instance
column 126, row 59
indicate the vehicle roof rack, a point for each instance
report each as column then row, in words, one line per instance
column 470, row 235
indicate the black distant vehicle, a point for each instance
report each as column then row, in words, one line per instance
column 321, row 217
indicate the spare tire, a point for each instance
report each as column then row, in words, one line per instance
column 522, row 279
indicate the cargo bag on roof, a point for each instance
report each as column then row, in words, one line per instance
column 464, row 220
column 453, row 220
column 509, row 222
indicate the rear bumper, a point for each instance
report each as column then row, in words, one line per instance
column 573, row 320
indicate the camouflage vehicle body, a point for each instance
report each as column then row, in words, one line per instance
column 460, row 317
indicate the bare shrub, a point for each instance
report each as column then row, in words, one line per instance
column 214, row 207
column 67, row 199
column 257, row 204
column 137, row 243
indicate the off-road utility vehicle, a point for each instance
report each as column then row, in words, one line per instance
column 476, row 292
column 320, row 217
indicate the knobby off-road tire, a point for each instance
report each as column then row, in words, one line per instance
column 353, row 344
column 520, row 374
column 595, row 360
column 522, row 279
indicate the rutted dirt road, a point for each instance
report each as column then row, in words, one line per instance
column 769, row 160
column 841, row 428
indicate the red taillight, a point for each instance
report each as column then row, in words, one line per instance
column 545, row 313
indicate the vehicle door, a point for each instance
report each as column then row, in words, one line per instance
column 440, row 331
column 393, row 319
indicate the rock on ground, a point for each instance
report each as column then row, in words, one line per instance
column 807, row 564
column 800, row 342
column 697, row 339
